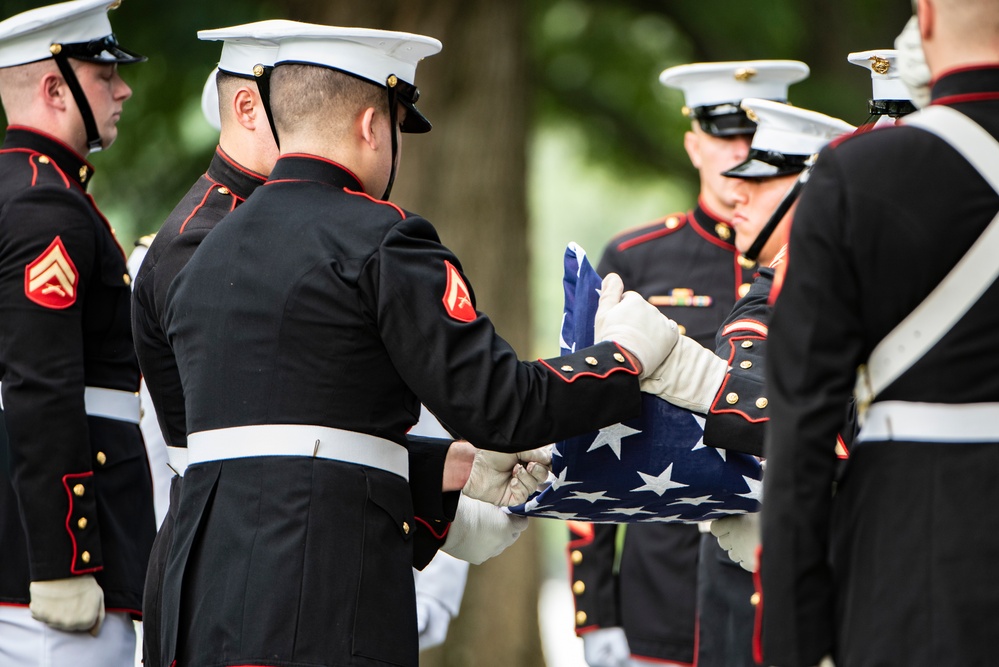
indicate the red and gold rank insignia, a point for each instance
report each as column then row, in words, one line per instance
column 51, row 279
column 457, row 300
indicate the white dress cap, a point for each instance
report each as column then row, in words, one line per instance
column 708, row 84
column 370, row 54
column 789, row 130
column 28, row 37
column 882, row 65
column 786, row 139
column 243, row 48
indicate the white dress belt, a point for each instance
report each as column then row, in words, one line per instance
column 108, row 403
column 293, row 440
column 931, row 422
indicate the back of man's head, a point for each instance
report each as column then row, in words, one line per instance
column 961, row 32
column 19, row 86
column 319, row 102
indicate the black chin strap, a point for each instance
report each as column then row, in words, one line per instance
column 262, row 75
column 390, row 85
column 783, row 207
column 94, row 143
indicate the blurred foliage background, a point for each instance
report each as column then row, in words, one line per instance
column 550, row 126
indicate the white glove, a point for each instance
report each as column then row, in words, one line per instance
column 507, row 479
column 739, row 535
column 606, row 647
column 432, row 621
column 633, row 323
column 481, row 530
column 75, row 604
column 690, row 376
column 912, row 67
column 827, row 662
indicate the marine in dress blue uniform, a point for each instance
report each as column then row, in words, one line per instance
column 688, row 266
column 337, row 320
column 218, row 192
column 75, row 494
column 895, row 567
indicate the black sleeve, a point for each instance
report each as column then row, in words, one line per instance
column 42, row 357
column 470, row 377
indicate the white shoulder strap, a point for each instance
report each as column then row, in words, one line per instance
column 965, row 283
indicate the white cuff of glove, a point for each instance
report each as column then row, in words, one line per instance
column 606, row 647
column 75, row 604
column 481, row 530
column 507, row 479
column 739, row 535
column 633, row 323
column 689, row 377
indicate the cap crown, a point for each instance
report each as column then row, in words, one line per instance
column 883, row 68
column 370, row 54
column 782, row 128
column 707, row 84
column 28, row 37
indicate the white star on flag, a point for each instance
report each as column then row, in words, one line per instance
column 612, row 436
column 700, row 500
column 755, row 488
column 562, row 480
column 660, row 484
column 629, row 511
column 590, row 497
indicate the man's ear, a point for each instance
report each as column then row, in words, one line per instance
column 366, row 127
column 54, row 90
column 925, row 10
column 248, row 108
column 692, row 144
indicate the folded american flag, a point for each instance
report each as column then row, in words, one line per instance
column 652, row 468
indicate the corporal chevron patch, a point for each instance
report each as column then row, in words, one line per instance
column 51, row 279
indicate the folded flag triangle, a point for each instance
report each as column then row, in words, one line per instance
column 652, row 468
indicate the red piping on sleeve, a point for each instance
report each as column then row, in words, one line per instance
column 66, row 479
column 441, row 535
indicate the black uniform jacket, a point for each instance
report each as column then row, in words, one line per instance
column 315, row 304
column 686, row 264
column 75, row 492
column 898, row 566
column 217, row 193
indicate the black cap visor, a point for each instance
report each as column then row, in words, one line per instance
column 767, row 164
column 723, row 120
column 893, row 108
column 408, row 95
column 103, row 50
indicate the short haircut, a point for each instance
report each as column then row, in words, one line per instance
column 319, row 99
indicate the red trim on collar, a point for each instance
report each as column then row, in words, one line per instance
column 710, row 237
column 711, row 214
column 377, row 201
column 237, row 166
column 964, row 68
column 57, row 140
column 966, row 97
column 327, row 161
